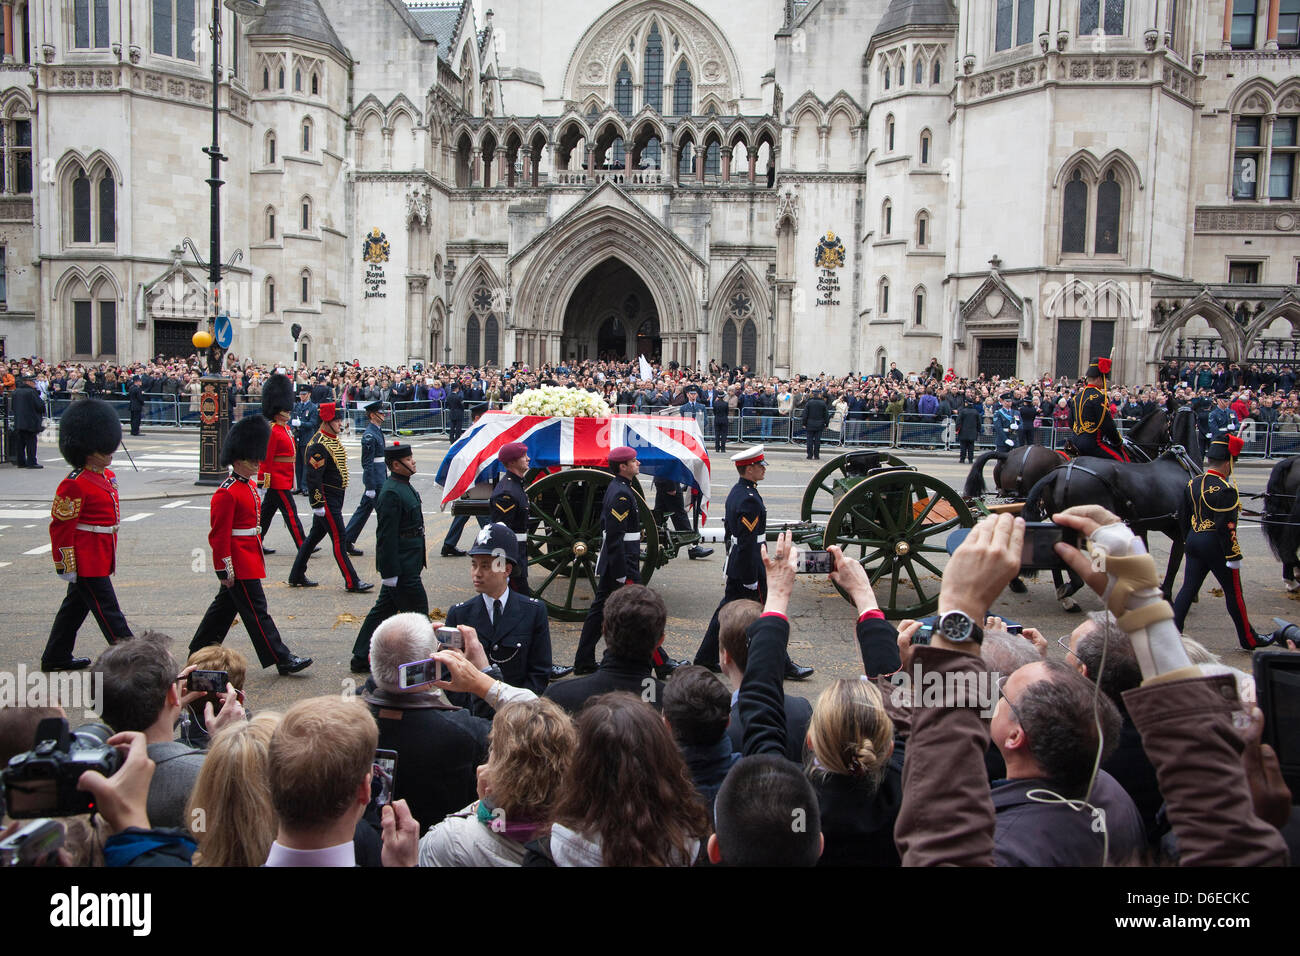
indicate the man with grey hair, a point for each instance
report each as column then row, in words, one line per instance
column 439, row 745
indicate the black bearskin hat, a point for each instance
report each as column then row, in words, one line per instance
column 87, row 427
column 277, row 396
column 247, row 440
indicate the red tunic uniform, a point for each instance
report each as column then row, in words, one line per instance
column 279, row 463
column 83, row 524
column 236, row 530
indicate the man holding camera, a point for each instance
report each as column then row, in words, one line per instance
column 399, row 551
column 236, row 542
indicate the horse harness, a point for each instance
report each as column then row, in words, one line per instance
column 1126, row 501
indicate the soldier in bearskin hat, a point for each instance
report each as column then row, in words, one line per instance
column 236, row 541
column 84, row 519
column 275, row 474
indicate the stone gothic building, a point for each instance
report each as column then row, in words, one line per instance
column 1008, row 185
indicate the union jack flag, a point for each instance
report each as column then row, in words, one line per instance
column 667, row 447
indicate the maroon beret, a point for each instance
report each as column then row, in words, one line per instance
column 621, row 454
column 511, row 452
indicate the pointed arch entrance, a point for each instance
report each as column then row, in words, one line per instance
column 611, row 315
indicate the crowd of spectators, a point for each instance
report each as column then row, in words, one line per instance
column 1127, row 745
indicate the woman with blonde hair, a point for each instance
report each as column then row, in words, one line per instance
column 229, row 811
column 530, row 749
column 857, row 774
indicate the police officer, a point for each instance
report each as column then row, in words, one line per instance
column 670, row 505
column 1223, row 420
column 620, row 559
column 135, row 400
column 326, row 467
column 83, row 532
column 399, row 551
column 236, row 542
column 1006, row 425
column 304, row 423
column 276, row 474
column 745, row 527
column 1095, row 434
column 373, row 473
column 509, row 506
column 1209, row 518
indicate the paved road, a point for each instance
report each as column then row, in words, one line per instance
column 164, row 578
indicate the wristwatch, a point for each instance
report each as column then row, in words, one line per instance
column 958, row 627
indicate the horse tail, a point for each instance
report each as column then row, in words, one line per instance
column 1282, row 514
column 1043, row 487
column 975, row 480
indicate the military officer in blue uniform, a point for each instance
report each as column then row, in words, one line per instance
column 373, row 474
column 1209, row 513
column 509, row 506
column 745, row 528
column 1006, row 425
column 304, row 424
column 1223, row 420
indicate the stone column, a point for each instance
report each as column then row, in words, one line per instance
column 1227, row 24
column 9, row 31
column 475, row 162
column 1270, row 42
column 387, row 135
column 726, row 165
column 753, row 165
column 823, row 147
column 699, row 164
column 784, row 326
column 591, row 162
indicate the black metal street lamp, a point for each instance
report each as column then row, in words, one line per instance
column 214, row 397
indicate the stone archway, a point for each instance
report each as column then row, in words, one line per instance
column 606, row 314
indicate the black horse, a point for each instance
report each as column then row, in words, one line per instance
column 1146, row 495
column 1282, row 517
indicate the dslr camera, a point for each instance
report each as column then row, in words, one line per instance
column 43, row 781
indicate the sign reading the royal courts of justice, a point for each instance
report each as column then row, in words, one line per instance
column 374, row 253
column 829, row 257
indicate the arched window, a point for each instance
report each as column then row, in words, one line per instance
column 490, row 341
column 886, row 72
column 297, row 81
column 1074, row 218
column 749, row 344
column 305, row 280
column 107, row 207
column 266, row 78
column 1015, row 24
column 270, row 296
column 173, row 28
column 306, row 214
column 1091, row 19
column 713, row 160
column 918, row 305
column 918, row 72
column 902, row 72
column 270, row 223
column 729, row 343
column 922, row 230
column 315, row 84
column 270, row 149
column 938, row 71
column 1108, row 205
column 889, row 134
column 281, row 78
column 623, row 90
column 653, row 82
column 472, row 342
column 884, row 296
column 682, row 90
column 886, row 218
column 306, row 135
column 686, row 161
column 81, row 207
column 925, row 148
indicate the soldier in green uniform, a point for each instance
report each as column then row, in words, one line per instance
column 399, row 551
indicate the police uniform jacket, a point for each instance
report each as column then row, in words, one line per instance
column 277, row 470
column 745, row 526
column 236, row 522
column 1210, row 507
column 373, row 470
column 83, row 523
column 325, row 471
column 519, row 642
column 1223, row 421
column 399, row 539
column 620, row 551
column 1006, row 427
column 304, row 413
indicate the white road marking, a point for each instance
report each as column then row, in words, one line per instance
column 43, row 549
column 5, row 564
column 29, row 526
column 143, row 514
column 178, row 504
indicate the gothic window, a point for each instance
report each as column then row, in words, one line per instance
column 173, row 28
column 729, row 343
column 490, row 341
column 94, row 321
column 713, row 160
column 297, row 81
column 922, row 230
column 886, row 218
column 270, row 224
column 938, row 71
column 281, row 78
column 884, row 297
column 1288, row 25
column 1282, row 158
column 107, row 217
column 306, row 136
column 1092, row 18
column 16, row 157
column 925, row 148
column 270, row 295
column 90, row 27
column 94, row 205
column 623, row 90
column 749, row 344
column 270, row 149
column 889, row 134
column 918, row 304
column 1243, row 24
column 81, row 207
column 315, row 84
column 305, row 282
column 1246, row 158
column 306, row 214
column 886, row 72
column 682, row 90
column 1108, row 204
column 472, row 342
column 686, row 161
column 266, row 78
column 1074, row 221
column 1014, row 23
column 653, row 85
column 902, row 73
column 919, row 72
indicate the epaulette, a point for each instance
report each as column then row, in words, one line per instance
column 229, row 482
column 75, row 473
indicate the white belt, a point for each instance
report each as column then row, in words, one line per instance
column 632, row 536
column 245, row 532
column 521, row 536
column 98, row 528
